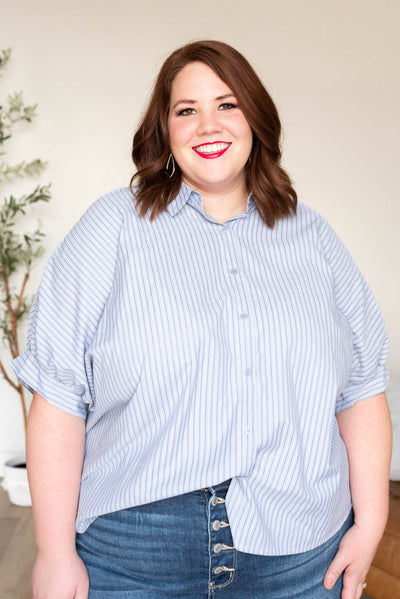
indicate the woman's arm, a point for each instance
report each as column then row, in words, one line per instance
column 366, row 431
column 55, row 449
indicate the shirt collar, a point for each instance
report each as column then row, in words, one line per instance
column 190, row 196
column 181, row 199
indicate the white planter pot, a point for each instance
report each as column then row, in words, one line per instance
column 15, row 482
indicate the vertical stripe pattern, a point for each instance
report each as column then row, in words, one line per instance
column 200, row 351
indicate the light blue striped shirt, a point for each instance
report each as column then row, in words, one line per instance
column 200, row 351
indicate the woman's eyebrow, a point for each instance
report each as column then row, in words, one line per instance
column 184, row 102
column 230, row 95
column 224, row 97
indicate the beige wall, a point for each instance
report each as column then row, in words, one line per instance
column 331, row 66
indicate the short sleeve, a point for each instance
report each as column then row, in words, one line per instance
column 67, row 309
column 357, row 305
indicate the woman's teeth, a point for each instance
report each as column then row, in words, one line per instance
column 212, row 148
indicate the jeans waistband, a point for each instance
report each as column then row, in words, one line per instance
column 219, row 487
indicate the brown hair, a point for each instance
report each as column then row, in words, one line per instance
column 270, row 185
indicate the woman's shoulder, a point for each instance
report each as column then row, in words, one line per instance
column 308, row 215
column 114, row 205
column 97, row 232
column 304, row 224
column 308, row 218
column 106, row 215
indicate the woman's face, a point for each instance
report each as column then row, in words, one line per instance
column 209, row 136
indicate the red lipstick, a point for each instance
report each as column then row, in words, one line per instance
column 217, row 148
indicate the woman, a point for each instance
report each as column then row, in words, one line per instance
column 224, row 356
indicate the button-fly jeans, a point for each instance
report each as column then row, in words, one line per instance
column 182, row 548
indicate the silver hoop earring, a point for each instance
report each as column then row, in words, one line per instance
column 170, row 159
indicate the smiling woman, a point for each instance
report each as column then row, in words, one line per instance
column 210, row 139
column 207, row 364
column 205, row 91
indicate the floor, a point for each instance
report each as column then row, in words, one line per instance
column 17, row 550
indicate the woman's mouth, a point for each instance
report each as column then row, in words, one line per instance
column 212, row 150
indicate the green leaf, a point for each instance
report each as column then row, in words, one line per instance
column 5, row 56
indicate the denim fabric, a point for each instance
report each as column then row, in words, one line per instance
column 182, row 548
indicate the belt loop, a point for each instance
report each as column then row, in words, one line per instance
column 224, row 485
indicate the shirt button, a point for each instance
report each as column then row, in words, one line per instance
column 216, row 525
column 244, row 315
column 249, row 430
column 234, row 271
column 217, row 547
column 248, row 371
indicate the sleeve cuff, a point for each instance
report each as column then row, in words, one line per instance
column 355, row 392
column 65, row 394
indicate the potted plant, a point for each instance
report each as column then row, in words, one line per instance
column 19, row 250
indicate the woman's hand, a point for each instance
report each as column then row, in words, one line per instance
column 354, row 557
column 59, row 576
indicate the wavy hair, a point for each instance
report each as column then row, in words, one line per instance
column 270, row 185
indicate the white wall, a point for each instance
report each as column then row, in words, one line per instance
column 331, row 67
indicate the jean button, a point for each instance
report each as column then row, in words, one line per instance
column 216, row 525
column 214, row 501
column 217, row 548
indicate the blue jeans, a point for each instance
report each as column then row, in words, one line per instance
column 182, row 548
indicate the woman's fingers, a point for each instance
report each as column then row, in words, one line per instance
column 336, row 567
column 353, row 559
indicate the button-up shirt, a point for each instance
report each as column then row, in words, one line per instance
column 199, row 351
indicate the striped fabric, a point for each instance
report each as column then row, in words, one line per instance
column 201, row 351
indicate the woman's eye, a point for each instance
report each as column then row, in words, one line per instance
column 227, row 106
column 185, row 111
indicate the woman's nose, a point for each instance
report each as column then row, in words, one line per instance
column 209, row 122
